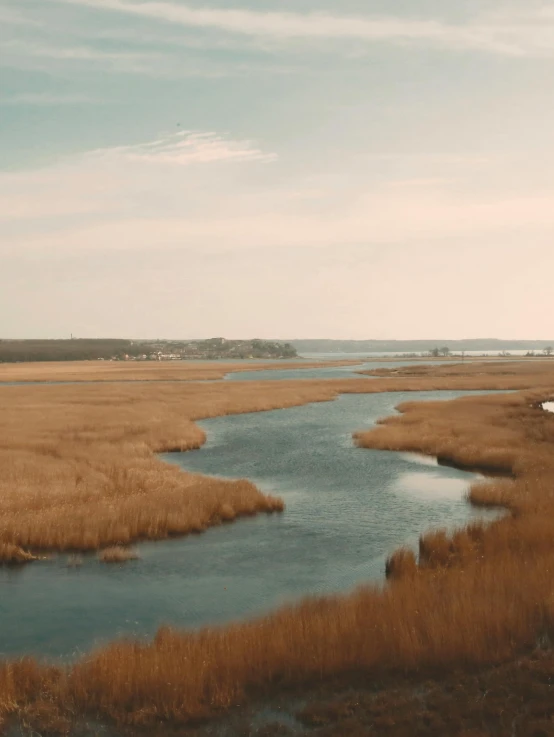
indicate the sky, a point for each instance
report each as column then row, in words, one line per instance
column 279, row 169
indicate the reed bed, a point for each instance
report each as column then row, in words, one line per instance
column 79, row 470
column 484, row 612
column 13, row 554
column 478, row 595
column 144, row 370
column 471, row 367
column 79, row 465
column 117, row 554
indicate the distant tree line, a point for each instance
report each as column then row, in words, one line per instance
column 548, row 351
column 480, row 345
column 19, row 351
column 436, row 352
column 14, row 351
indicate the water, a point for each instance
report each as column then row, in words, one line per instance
column 320, row 355
column 329, row 372
column 347, row 508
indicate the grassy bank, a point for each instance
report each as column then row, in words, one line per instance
column 79, row 462
column 478, row 596
column 145, row 370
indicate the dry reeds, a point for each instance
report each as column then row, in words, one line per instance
column 144, row 370
column 401, row 564
column 79, row 470
column 117, row 554
column 484, row 612
column 476, row 596
column 13, row 554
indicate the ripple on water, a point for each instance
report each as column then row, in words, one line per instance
column 347, row 508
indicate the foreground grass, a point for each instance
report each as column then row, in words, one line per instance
column 475, row 597
column 510, row 700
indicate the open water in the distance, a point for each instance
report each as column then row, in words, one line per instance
column 328, row 372
column 347, row 508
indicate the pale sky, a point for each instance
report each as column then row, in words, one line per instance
column 277, row 168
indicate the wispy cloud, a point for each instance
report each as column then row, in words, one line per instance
column 113, row 178
column 21, row 53
column 428, row 157
column 74, row 53
column 171, row 62
column 13, row 17
column 421, row 182
column 46, row 99
column 509, row 33
column 186, row 148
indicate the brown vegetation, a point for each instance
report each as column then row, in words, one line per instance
column 79, row 470
column 144, row 370
column 510, row 700
column 465, row 616
column 117, row 554
column 468, row 368
column 13, row 554
column 478, row 596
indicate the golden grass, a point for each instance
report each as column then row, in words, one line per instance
column 117, row 554
column 12, row 554
column 79, row 465
column 79, row 470
column 506, row 700
column 476, row 596
column 465, row 616
column 469, row 368
column 505, row 433
column 145, row 370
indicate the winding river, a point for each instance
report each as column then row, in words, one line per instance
column 347, row 508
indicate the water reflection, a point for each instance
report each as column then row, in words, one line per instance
column 347, row 508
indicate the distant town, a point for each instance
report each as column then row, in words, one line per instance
column 214, row 349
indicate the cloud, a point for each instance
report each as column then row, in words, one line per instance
column 24, row 54
column 12, row 17
column 186, row 148
column 114, row 180
column 140, row 201
column 46, row 99
column 420, row 182
column 199, row 217
column 35, row 53
column 508, row 33
column 72, row 53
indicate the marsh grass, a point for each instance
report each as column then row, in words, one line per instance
column 476, row 596
column 79, row 464
column 117, row 554
column 12, row 554
column 145, row 370
column 80, row 470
